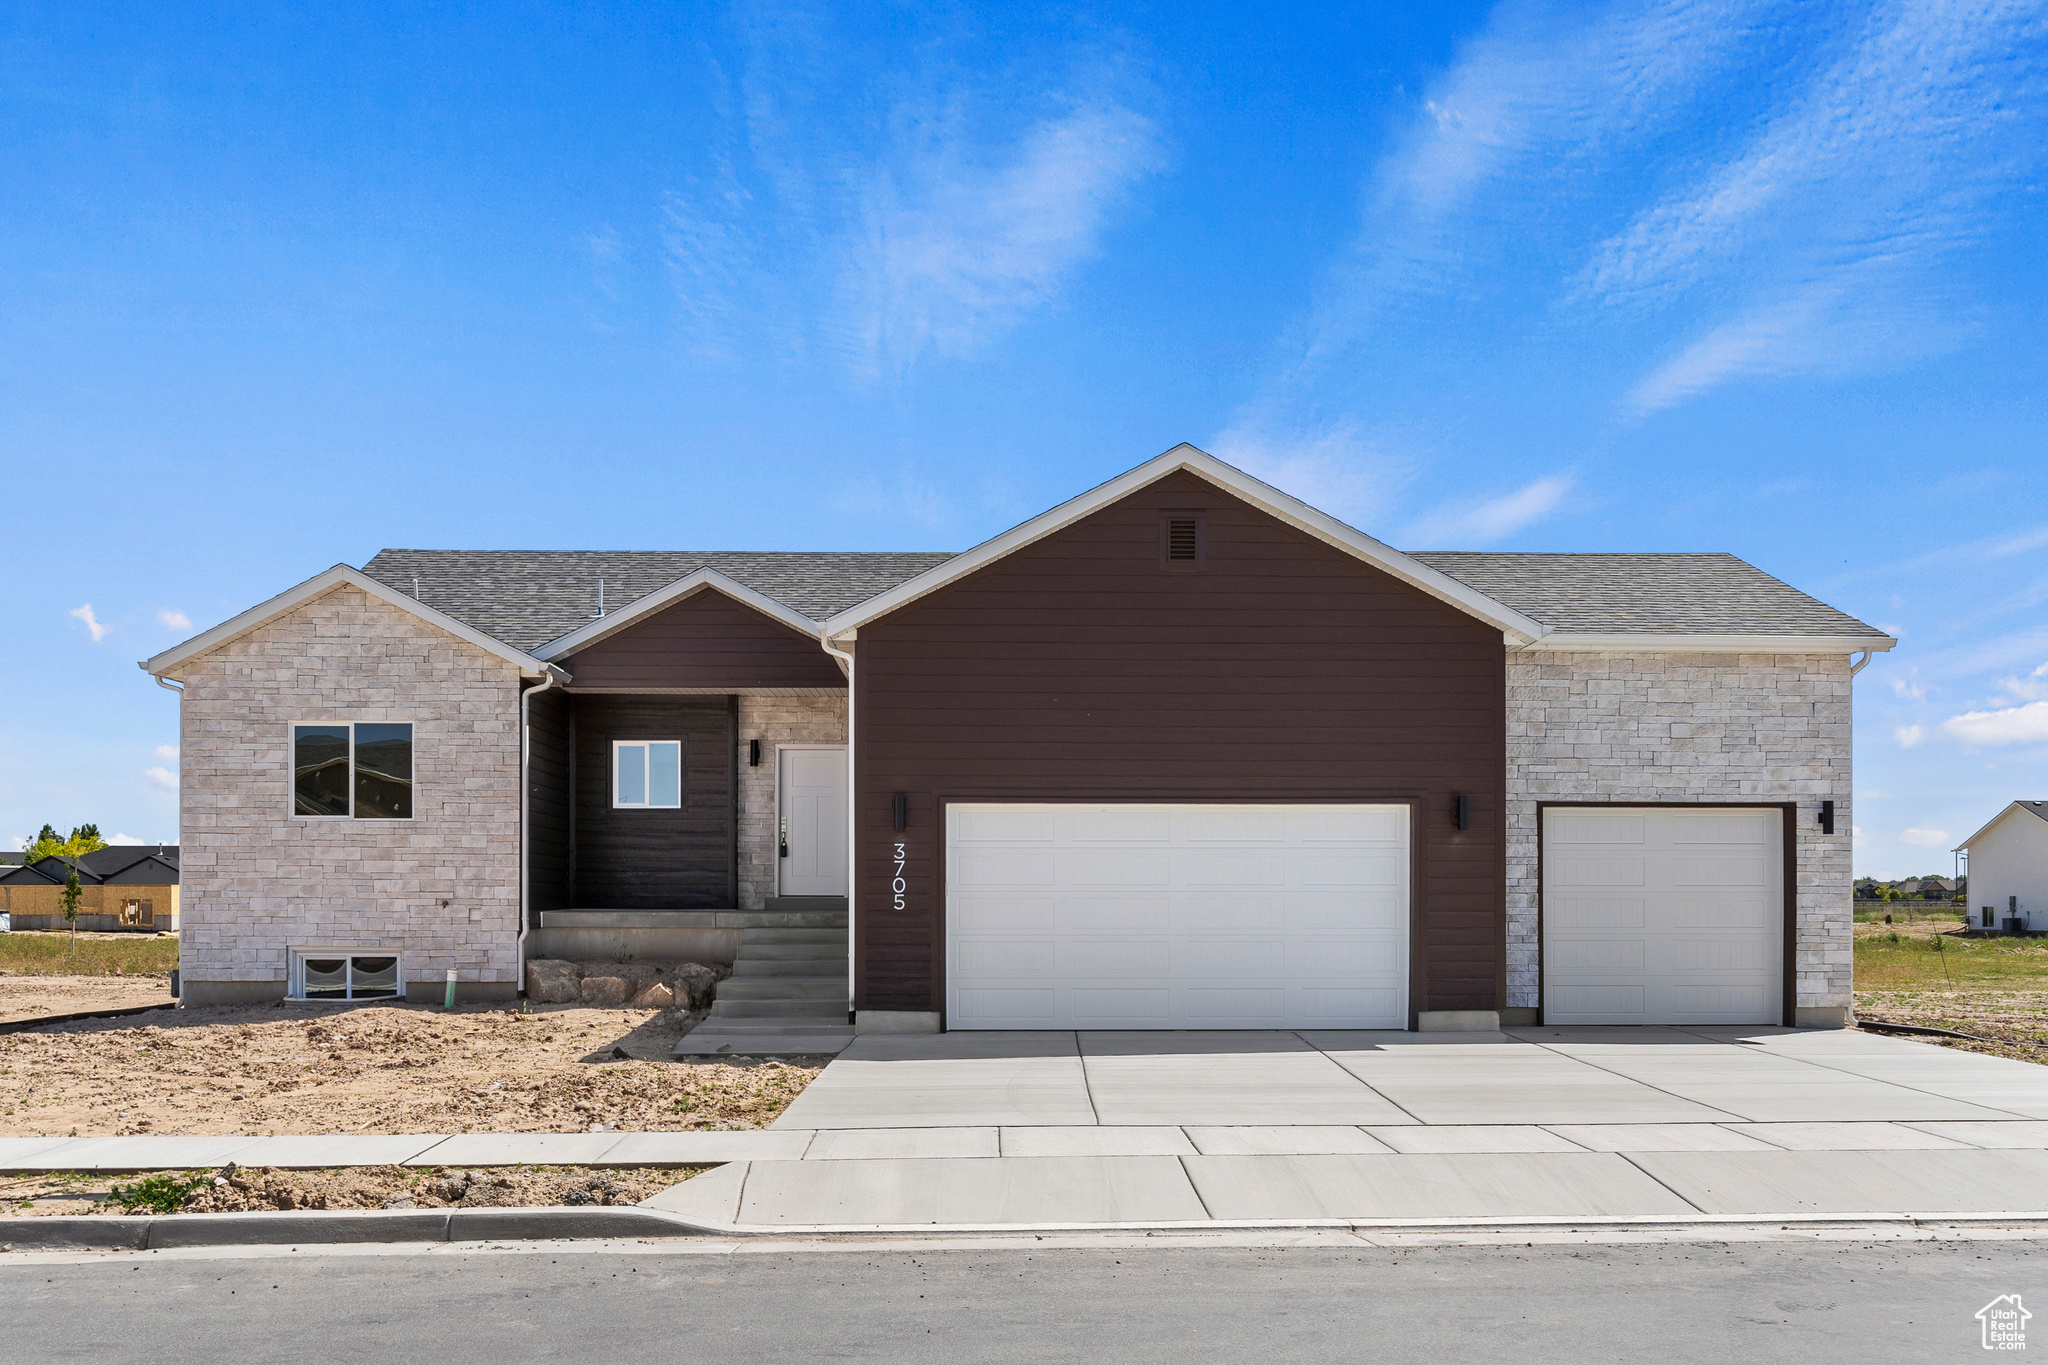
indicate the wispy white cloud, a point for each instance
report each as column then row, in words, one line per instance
column 2033, row 687
column 2027, row 724
column 1335, row 467
column 167, row 752
column 912, row 214
column 92, row 623
column 1494, row 519
column 174, row 620
column 127, row 839
column 1920, row 836
column 1910, row 688
column 1821, row 241
column 1909, row 736
column 162, row 777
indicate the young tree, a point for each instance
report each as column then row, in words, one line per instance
column 72, row 894
column 84, row 839
column 45, row 845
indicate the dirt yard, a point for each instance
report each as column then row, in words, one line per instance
column 35, row 997
column 43, row 974
column 234, row 1189
column 384, row 1068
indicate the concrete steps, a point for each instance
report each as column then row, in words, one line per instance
column 787, row 995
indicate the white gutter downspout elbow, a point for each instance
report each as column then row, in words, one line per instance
column 550, row 677
column 1858, row 664
column 845, row 658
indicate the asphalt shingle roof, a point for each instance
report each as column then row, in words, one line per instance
column 1644, row 594
column 529, row 597
column 102, row 865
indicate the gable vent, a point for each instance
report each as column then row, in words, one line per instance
column 1181, row 540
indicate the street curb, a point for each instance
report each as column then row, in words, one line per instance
column 84, row 1232
column 71, row 1232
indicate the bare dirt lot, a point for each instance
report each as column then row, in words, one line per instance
column 37, row 997
column 234, row 1189
column 384, row 1068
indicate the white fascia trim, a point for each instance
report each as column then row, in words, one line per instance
column 696, row 581
column 1567, row 642
column 1518, row 629
column 340, row 575
column 1997, row 819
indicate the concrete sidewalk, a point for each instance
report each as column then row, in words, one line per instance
column 1093, row 1130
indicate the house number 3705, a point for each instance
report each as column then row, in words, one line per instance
column 896, row 884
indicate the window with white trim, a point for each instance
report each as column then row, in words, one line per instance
column 647, row 774
column 346, row 976
column 352, row 772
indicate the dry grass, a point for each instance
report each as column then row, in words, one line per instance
column 233, row 1189
column 385, row 1068
column 1935, row 976
column 36, row 953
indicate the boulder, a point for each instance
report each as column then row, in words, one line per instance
column 605, row 990
column 695, row 984
column 655, row 997
column 549, row 982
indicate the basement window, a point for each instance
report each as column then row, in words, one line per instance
column 647, row 774
column 346, row 976
column 352, row 772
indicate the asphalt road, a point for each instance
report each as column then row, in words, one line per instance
column 1669, row 1303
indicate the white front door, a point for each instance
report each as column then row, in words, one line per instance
column 1176, row 916
column 1663, row 915
column 811, row 821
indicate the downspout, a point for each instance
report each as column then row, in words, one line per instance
column 178, row 983
column 549, row 678
column 845, row 659
column 1858, row 666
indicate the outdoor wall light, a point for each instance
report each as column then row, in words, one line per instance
column 753, row 753
column 902, row 804
column 1827, row 817
column 1461, row 810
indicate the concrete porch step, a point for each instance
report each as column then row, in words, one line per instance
column 806, row 903
column 762, row 1038
column 777, row 936
column 818, row 987
column 814, row 1009
column 777, row 950
column 752, row 966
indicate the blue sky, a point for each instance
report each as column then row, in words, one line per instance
column 281, row 286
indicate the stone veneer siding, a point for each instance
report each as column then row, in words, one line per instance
column 258, row 881
column 1680, row 728
column 774, row 720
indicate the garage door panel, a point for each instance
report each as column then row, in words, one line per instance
column 1244, row 917
column 1568, row 912
column 1005, row 868
column 978, row 912
column 1700, row 941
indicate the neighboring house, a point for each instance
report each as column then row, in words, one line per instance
column 2009, row 868
column 130, row 888
column 1181, row 752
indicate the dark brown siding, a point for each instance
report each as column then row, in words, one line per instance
column 1082, row 668
column 706, row 640
column 550, row 885
column 655, row 859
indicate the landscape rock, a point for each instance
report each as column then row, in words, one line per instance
column 605, row 990
column 550, row 982
column 656, row 997
column 695, row 983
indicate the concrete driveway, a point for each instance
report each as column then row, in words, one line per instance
column 1187, row 1128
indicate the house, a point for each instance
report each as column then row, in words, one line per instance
column 125, row 888
column 2009, row 868
column 1182, row 752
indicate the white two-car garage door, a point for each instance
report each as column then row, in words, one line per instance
column 1176, row 916
column 1663, row 915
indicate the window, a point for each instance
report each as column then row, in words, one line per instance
column 363, row 771
column 346, row 976
column 647, row 774
column 138, row 914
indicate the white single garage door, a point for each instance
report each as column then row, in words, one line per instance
column 1663, row 915
column 1176, row 916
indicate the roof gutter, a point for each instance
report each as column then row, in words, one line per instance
column 845, row 658
column 550, row 677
